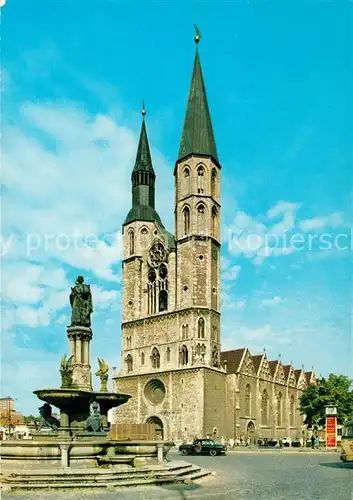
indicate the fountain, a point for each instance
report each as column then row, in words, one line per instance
column 80, row 443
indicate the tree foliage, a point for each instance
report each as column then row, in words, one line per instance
column 335, row 390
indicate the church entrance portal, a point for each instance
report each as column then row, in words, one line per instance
column 250, row 431
column 158, row 424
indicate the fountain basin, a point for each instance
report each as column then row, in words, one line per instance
column 74, row 404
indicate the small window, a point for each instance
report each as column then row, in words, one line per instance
column 201, row 328
column 131, row 242
column 186, row 215
column 200, row 180
column 129, row 363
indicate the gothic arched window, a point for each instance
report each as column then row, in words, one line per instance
column 129, row 363
column 292, row 412
column 215, row 356
column 264, row 408
column 155, row 358
column 201, row 226
column 131, row 242
column 279, row 409
column 214, row 222
column 185, row 331
column 186, row 218
column 201, row 328
column 152, row 291
column 200, row 180
column 184, row 355
column 213, row 183
column 142, row 358
column 247, row 400
column 167, row 354
column 163, row 300
column 186, row 181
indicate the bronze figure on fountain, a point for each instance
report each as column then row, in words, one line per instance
column 81, row 303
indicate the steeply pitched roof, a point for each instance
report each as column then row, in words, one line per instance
column 309, row 376
column 257, row 361
column 273, row 366
column 297, row 374
column 197, row 136
column 286, row 369
column 143, row 157
column 233, row 359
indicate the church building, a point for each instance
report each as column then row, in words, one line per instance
column 172, row 363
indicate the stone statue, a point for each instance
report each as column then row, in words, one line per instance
column 46, row 418
column 81, row 303
column 102, row 373
column 94, row 421
column 66, row 372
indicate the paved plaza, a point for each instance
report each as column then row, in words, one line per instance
column 244, row 475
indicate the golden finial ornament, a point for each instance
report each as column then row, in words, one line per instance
column 197, row 37
column 143, row 111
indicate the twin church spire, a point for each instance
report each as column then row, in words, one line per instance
column 197, row 138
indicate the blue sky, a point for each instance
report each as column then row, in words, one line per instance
column 73, row 78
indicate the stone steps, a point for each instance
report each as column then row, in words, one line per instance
column 93, row 478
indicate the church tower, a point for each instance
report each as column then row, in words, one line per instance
column 197, row 222
column 171, row 287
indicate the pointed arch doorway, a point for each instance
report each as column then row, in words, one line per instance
column 158, row 424
column 250, row 432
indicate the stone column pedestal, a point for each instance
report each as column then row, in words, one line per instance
column 64, row 449
column 160, row 448
column 80, row 338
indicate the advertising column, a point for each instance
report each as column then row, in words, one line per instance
column 331, row 427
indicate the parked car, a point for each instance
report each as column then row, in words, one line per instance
column 267, row 442
column 203, row 447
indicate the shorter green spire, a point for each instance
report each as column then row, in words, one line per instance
column 143, row 158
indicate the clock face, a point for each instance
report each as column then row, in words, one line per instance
column 157, row 254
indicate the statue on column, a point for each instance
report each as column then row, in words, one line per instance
column 102, row 373
column 66, row 370
column 81, row 303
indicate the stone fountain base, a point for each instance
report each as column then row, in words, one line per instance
column 81, row 451
column 52, row 463
column 45, row 480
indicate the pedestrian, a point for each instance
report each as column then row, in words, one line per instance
column 231, row 443
column 313, row 441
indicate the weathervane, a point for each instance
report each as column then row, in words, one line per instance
column 143, row 111
column 197, row 37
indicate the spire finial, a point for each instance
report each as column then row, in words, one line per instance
column 143, row 111
column 197, row 36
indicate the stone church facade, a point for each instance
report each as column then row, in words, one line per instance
column 172, row 364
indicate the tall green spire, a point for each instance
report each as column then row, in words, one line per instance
column 197, row 136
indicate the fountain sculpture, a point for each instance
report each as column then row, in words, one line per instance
column 76, row 397
column 81, row 438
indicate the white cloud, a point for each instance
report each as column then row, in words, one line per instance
column 282, row 207
column 332, row 220
column 67, row 176
column 274, row 301
column 231, row 273
column 259, row 333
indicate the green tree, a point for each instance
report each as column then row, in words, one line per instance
column 336, row 390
